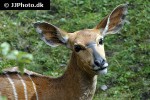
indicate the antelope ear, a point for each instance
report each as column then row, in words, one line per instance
column 112, row 23
column 50, row 34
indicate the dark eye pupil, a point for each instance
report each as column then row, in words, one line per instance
column 101, row 41
column 77, row 48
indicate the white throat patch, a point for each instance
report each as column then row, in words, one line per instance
column 104, row 71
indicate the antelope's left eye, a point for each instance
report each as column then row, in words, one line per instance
column 100, row 41
column 77, row 48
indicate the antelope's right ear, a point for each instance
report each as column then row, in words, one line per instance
column 112, row 23
column 50, row 34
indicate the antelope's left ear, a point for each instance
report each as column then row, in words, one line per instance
column 50, row 34
column 112, row 23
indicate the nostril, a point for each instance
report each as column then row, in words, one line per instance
column 103, row 62
column 97, row 63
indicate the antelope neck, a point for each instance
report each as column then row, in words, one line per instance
column 83, row 82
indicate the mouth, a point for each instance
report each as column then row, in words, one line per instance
column 101, row 69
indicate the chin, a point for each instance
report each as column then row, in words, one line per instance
column 101, row 72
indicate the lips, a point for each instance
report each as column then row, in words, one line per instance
column 100, row 68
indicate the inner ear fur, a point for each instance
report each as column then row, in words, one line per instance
column 51, row 34
column 113, row 22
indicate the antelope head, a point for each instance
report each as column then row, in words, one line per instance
column 87, row 44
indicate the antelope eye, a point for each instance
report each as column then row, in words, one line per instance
column 101, row 41
column 77, row 48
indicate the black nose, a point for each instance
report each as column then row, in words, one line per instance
column 99, row 63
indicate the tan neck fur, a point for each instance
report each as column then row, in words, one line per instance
column 84, row 83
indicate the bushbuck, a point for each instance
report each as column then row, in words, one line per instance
column 80, row 78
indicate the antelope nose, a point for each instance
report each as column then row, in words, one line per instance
column 99, row 63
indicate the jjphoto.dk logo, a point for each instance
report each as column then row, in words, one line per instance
column 25, row 5
column 12, row 5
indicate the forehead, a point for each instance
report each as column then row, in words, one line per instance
column 87, row 35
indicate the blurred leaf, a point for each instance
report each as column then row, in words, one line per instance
column 3, row 98
column 5, row 48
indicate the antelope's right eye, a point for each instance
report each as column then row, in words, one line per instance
column 77, row 48
column 101, row 41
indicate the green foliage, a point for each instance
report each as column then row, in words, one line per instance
column 3, row 98
column 128, row 53
column 14, row 57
